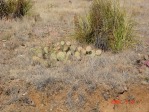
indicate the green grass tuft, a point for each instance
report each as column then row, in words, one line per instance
column 107, row 26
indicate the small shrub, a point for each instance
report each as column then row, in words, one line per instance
column 106, row 25
column 15, row 8
column 11, row 6
column 22, row 8
column 3, row 9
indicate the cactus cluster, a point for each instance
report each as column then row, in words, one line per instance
column 62, row 51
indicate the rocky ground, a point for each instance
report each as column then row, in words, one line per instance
column 86, row 83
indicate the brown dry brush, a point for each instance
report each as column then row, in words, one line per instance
column 3, row 9
column 14, row 8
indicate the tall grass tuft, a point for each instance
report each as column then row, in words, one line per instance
column 15, row 8
column 107, row 26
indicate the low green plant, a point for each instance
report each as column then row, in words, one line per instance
column 106, row 25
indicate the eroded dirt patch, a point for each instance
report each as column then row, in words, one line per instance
column 58, row 96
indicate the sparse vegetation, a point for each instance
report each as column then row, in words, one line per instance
column 43, row 69
column 14, row 8
column 106, row 25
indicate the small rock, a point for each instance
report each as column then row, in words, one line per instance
column 88, row 49
column 68, row 61
column 147, row 63
column 144, row 83
column 57, row 44
column 79, row 49
column 83, row 51
column 125, row 88
column 98, row 52
column 146, row 57
column 68, row 43
column 106, row 95
column 40, row 55
column 57, row 48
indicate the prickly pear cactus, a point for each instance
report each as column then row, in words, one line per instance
column 35, row 60
column 73, row 48
column 44, row 63
column 46, row 50
column 78, row 55
column 62, row 43
column 53, row 56
column 68, row 55
column 61, row 56
column 60, row 52
column 39, row 52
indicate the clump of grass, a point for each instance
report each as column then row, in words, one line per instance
column 3, row 9
column 106, row 25
column 15, row 8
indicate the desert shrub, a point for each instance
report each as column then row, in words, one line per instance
column 3, row 9
column 15, row 8
column 106, row 25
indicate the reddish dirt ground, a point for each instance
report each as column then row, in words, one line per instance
column 63, row 99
